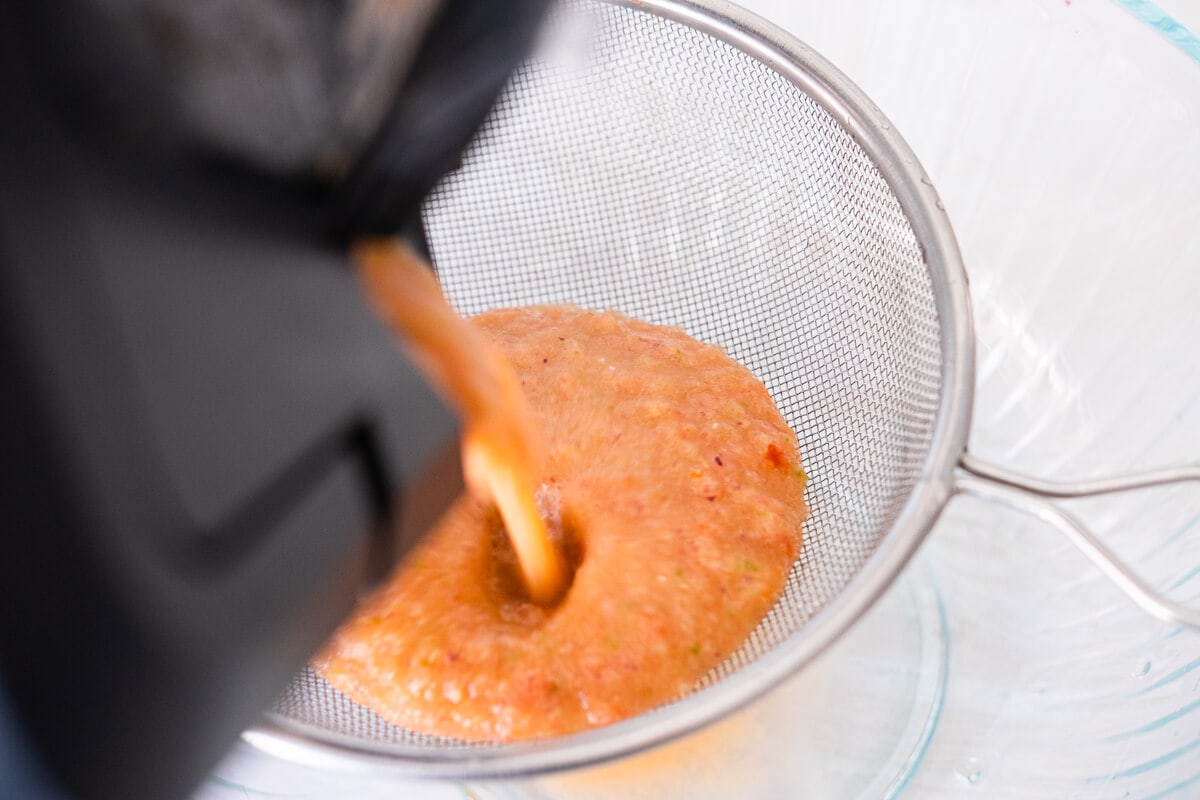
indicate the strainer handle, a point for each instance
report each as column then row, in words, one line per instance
column 987, row 481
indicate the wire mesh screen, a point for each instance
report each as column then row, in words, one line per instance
column 641, row 165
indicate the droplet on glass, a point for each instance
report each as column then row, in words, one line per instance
column 970, row 770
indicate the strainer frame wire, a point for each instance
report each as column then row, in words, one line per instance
column 866, row 124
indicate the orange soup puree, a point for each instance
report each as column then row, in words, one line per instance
column 673, row 489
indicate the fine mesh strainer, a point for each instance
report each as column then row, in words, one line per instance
column 687, row 164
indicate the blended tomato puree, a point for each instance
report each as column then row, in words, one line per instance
column 676, row 490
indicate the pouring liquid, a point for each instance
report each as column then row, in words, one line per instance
column 501, row 448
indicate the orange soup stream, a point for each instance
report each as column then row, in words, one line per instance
column 501, row 449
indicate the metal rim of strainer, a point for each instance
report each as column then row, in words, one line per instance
column 818, row 78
